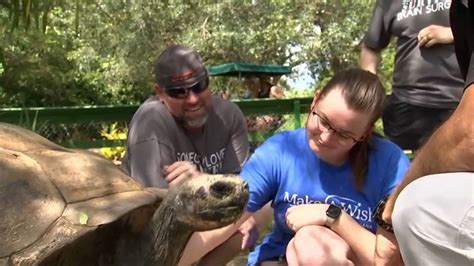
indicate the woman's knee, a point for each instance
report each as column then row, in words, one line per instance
column 317, row 245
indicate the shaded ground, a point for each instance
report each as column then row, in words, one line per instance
column 240, row 260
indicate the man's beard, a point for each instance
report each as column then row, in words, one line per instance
column 196, row 122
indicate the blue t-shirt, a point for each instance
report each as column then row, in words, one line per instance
column 287, row 172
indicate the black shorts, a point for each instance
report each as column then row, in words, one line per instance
column 409, row 125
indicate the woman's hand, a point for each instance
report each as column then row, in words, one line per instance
column 249, row 232
column 386, row 249
column 306, row 214
column 434, row 34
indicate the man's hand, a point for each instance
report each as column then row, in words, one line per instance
column 179, row 171
column 306, row 214
column 434, row 34
column 249, row 232
column 386, row 249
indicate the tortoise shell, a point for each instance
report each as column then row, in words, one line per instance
column 72, row 207
column 51, row 195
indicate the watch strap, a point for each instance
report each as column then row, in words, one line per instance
column 329, row 221
column 378, row 215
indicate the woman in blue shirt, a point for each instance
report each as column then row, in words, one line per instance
column 335, row 162
column 324, row 181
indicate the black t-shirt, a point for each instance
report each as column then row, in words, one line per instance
column 422, row 76
column 462, row 25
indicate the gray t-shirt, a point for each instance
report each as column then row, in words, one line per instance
column 422, row 76
column 156, row 139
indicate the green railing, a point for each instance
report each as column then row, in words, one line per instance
column 30, row 117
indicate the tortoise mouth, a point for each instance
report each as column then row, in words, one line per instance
column 220, row 213
column 211, row 217
column 202, row 207
column 223, row 212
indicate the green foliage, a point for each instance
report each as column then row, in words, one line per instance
column 113, row 132
column 385, row 68
column 339, row 27
column 101, row 52
column 379, row 127
column 26, row 12
column 299, row 93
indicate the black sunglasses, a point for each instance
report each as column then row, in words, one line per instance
column 183, row 92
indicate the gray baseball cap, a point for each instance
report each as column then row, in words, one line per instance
column 179, row 66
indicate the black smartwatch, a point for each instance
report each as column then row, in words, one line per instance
column 332, row 214
column 378, row 215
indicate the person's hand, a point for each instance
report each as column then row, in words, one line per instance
column 179, row 171
column 250, row 233
column 434, row 34
column 386, row 249
column 306, row 214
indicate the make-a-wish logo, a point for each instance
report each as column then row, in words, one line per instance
column 352, row 207
column 295, row 199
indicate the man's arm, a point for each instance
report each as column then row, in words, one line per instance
column 146, row 160
column 369, row 59
column 237, row 150
column 240, row 139
column 450, row 149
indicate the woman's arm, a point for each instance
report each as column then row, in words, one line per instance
column 361, row 241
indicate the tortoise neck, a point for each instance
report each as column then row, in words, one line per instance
column 169, row 237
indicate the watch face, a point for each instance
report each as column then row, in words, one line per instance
column 333, row 211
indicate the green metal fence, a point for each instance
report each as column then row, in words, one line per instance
column 64, row 124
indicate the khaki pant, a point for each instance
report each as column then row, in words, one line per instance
column 433, row 220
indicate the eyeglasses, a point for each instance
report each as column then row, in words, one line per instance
column 326, row 125
column 183, row 92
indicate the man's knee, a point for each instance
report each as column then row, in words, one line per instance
column 429, row 216
column 415, row 204
column 401, row 218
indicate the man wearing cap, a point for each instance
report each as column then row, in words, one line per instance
column 183, row 130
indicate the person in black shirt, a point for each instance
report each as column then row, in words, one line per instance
column 426, row 84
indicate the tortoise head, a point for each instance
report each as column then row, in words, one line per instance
column 211, row 201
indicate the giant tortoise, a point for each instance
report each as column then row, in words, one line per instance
column 66, row 207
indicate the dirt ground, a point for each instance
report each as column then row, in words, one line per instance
column 240, row 260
